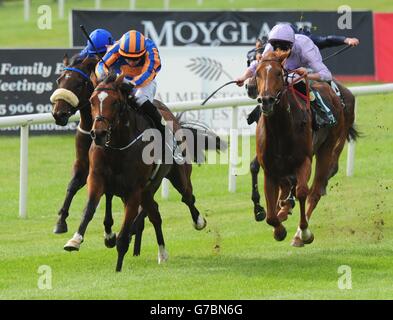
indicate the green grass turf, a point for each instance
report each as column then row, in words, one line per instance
column 15, row 32
column 233, row 258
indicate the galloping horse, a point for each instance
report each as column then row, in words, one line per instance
column 286, row 144
column 117, row 167
column 75, row 86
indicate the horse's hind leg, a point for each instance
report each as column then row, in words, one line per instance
column 259, row 211
column 180, row 177
column 151, row 207
column 286, row 200
column 78, row 181
column 110, row 237
column 139, row 226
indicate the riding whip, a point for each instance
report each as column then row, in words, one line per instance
column 92, row 43
column 337, row 52
column 233, row 81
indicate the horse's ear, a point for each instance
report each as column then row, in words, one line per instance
column 282, row 55
column 124, row 86
column 66, row 61
column 89, row 63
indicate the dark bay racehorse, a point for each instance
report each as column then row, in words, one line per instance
column 286, row 144
column 75, row 86
column 117, row 167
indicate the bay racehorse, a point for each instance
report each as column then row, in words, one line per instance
column 286, row 144
column 117, row 166
column 75, row 86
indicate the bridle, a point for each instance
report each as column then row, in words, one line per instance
column 289, row 86
column 112, row 125
column 277, row 97
column 85, row 76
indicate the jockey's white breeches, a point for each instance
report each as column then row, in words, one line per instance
column 146, row 93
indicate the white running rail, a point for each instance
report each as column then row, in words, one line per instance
column 24, row 121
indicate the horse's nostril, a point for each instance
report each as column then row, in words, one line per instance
column 259, row 99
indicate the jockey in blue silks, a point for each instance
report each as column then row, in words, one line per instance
column 102, row 39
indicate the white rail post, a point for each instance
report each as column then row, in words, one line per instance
column 233, row 152
column 98, row 4
column 132, row 4
column 166, row 4
column 61, row 9
column 26, row 10
column 165, row 188
column 351, row 153
column 24, row 143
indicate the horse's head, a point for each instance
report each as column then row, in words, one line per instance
column 108, row 104
column 74, row 88
column 270, row 80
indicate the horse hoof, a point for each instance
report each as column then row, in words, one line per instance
column 280, row 233
column 70, row 248
column 111, row 241
column 260, row 213
column 60, row 228
column 297, row 242
column 74, row 243
column 200, row 224
column 162, row 255
column 309, row 240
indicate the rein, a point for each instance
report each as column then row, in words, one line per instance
column 287, row 86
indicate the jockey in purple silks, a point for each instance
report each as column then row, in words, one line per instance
column 304, row 58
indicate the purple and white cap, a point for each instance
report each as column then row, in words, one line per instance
column 282, row 32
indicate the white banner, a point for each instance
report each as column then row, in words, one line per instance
column 193, row 73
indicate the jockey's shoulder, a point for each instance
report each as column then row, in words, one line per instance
column 304, row 43
column 149, row 43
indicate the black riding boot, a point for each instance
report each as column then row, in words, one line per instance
column 254, row 115
column 151, row 110
column 323, row 115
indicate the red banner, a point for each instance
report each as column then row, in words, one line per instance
column 383, row 46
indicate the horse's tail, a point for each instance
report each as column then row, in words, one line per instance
column 204, row 139
column 353, row 133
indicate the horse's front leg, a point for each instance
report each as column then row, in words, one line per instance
column 271, row 195
column 303, row 234
column 95, row 185
column 259, row 211
column 131, row 204
column 80, row 172
column 110, row 237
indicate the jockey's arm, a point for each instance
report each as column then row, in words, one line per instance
column 110, row 58
column 247, row 74
column 313, row 60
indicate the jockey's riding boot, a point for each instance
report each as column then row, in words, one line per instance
column 160, row 123
column 323, row 115
column 254, row 115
